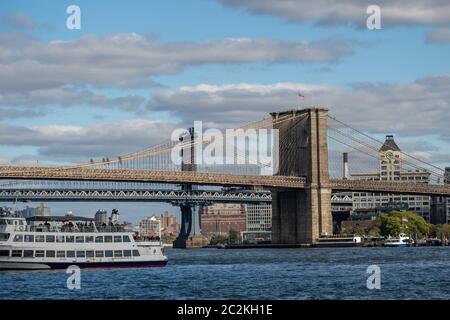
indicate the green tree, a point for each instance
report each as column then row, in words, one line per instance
column 233, row 236
column 354, row 230
column 406, row 222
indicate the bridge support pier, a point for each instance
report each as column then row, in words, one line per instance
column 301, row 216
column 190, row 235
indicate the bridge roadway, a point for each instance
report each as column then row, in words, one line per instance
column 208, row 196
column 218, row 179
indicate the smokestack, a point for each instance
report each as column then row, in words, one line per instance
column 346, row 172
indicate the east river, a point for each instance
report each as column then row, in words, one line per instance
column 341, row 273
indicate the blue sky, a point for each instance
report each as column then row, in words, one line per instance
column 382, row 81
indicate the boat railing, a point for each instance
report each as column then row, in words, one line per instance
column 70, row 229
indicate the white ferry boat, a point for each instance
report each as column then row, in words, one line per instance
column 59, row 242
column 401, row 241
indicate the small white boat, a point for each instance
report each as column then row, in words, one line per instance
column 401, row 241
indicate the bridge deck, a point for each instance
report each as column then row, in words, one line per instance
column 220, row 179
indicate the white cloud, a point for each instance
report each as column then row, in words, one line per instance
column 342, row 12
column 124, row 60
column 380, row 108
column 78, row 143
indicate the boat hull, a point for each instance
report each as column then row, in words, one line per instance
column 82, row 265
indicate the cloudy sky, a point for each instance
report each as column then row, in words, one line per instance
column 138, row 69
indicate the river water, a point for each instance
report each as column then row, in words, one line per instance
column 338, row 273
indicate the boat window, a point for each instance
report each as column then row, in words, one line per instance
column 127, row 253
column 16, row 253
column 49, row 238
column 70, row 239
column 136, row 253
column 39, row 254
column 108, row 253
column 60, row 239
column 81, row 254
column 70, row 254
column 18, row 238
column 4, row 253
column 29, row 238
column 99, row 254
column 28, row 253
column 89, row 239
column 117, row 238
column 4, row 236
column 99, row 239
column 117, row 253
column 79, row 239
column 108, row 238
column 60, row 254
column 50, row 253
column 126, row 239
column 89, row 254
column 2, row 221
column 39, row 238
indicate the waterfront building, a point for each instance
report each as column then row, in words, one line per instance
column 169, row 224
column 258, row 222
column 150, row 226
column 220, row 218
column 41, row 211
column 447, row 200
column 391, row 169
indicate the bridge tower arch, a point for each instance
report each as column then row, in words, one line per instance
column 301, row 216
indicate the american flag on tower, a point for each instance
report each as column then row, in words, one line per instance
column 301, row 97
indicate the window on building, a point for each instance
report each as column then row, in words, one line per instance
column 117, row 238
column 29, row 238
column 60, row 254
column 117, row 253
column 99, row 254
column 81, row 254
column 49, row 238
column 70, row 239
column 70, row 254
column 126, row 239
column 60, row 239
column 79, row 239
column 99, row 239
column 108, row 238
column 18, row 238
column 108, row 253
column 89, row 239
column 89, row 254
column 136, row 253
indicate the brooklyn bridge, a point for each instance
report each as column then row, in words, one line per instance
column 309, row 149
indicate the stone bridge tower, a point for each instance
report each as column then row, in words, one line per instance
column 301, row 216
